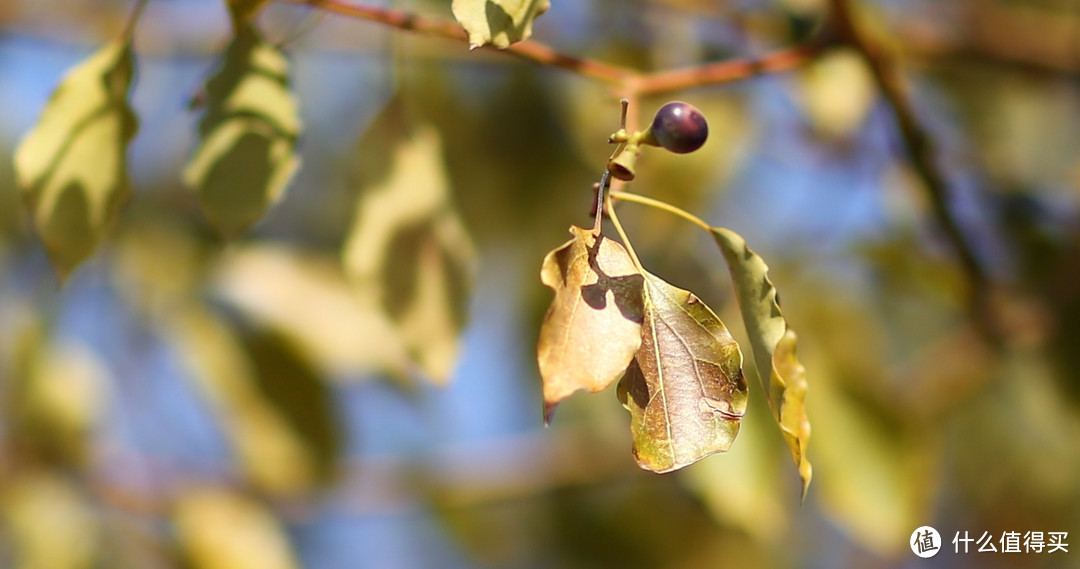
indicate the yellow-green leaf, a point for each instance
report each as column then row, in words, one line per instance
column 684, row 389
column 772, row 343
column 497, row 22
column 218, row 529
column 47, row 523
column 57, row 397
column 249, row 131
column 72, row 167
column 593, row 327
column 409, row 251
column 278, row 455
column 305, row 295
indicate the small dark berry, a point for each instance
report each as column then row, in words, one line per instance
column 679, row 127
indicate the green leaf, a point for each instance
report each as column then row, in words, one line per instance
column 772, row 343
column 72, row 167
column 218, row 529
column 497, row 22
column 248, row 132
column 409, row 252
column 685, row 389
column 593, row 327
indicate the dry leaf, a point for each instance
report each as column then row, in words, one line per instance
column 593, row 327
column 685, row 389
column 773, row 345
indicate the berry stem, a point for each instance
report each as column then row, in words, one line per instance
column 622, row 233
column 664, row 206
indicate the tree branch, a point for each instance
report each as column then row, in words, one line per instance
column 528, row 50
column 920, row 151
column 630, row 82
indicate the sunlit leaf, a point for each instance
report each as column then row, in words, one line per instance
column 277, row 455
column 48, row 524
column 249, row 130
column 72, row 167
column 498, row 22
column 772, row 343
column 685, row 389
column 409, row 250
column 593, row 327
column 218, row 529
column 307, row 298
column 57, row 396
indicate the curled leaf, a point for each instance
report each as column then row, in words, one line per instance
column 685, row 389
column 497, row 22
column 773, row 345
column 72, row 168
column 593, row 327
column 247, row 153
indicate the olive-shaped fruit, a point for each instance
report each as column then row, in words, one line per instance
column 679, row 127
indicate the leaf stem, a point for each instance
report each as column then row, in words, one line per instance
column 136, row 12
column 631, row 197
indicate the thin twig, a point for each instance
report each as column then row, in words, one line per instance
column 449, row 29
column 631, row 82
column 136, row 12
column 727, row 71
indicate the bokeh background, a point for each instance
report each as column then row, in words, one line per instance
column 186, row 402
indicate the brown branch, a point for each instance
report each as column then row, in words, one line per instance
column 726, row 71
column 630, row 82
column 528, row 50
column 920, row 151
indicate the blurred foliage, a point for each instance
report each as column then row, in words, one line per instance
column 267, row 401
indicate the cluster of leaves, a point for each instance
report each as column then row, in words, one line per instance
column 681, row 370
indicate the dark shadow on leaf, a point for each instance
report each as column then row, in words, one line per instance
column 633, row 386
column 69, row 237
column 234, row 191
column 625, row 289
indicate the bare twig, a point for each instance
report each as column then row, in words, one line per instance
column 630, row 83
column 727, row 71
column 529, row 50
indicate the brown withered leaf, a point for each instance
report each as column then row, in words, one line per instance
column 593, row 327
column 773, row 345
column 685, row 389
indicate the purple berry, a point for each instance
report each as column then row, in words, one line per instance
column 679, row 127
